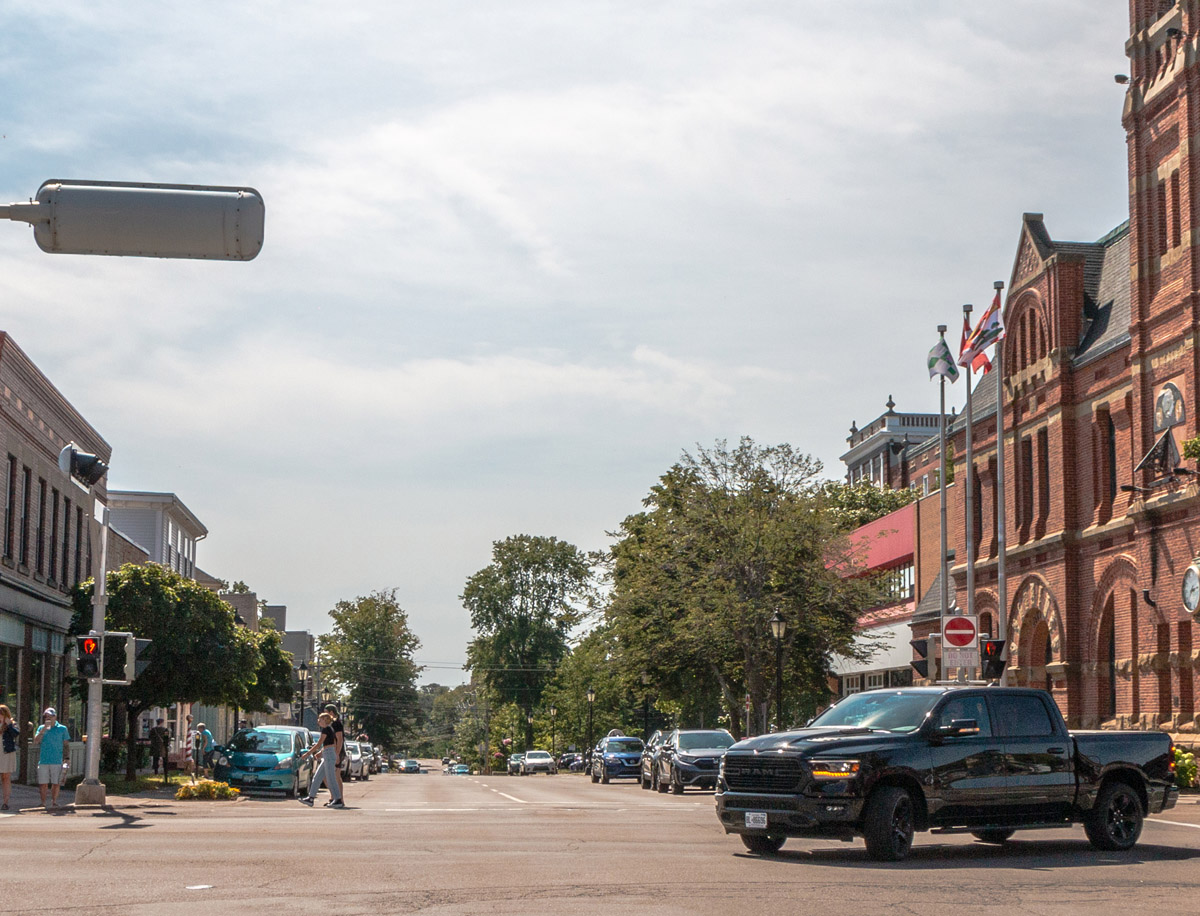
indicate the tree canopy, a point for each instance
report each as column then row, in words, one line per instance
column 369, row 655
column 523, row 605
column 728, row 538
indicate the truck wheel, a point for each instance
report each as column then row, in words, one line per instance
column 888, row 824
column 762, row 845
column 993, row 836
column 1115, row 822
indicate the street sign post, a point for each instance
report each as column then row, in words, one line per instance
column 960, row 642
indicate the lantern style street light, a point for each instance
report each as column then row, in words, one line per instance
column 778, row 629
column 302, row 673
column 553, row 745
column 591, row 698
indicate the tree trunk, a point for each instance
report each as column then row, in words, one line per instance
column 732, row 705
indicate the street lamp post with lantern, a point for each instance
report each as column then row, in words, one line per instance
column 553, row 743
column 529, row 733
column 302, row 673
column 591, row 698
column 778, row 629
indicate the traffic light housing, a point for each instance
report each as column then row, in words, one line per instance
column 135, row 657
column 926, row 663
column 83, row 466
column 89, row 660
column 991, row 658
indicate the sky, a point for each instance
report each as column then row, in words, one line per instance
column 519, row 257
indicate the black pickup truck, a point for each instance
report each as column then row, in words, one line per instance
column 983, row 760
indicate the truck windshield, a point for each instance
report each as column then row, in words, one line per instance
column 893, row 712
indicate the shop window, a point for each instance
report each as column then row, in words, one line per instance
column 877, row 680
column 851, row 683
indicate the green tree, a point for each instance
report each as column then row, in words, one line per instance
column 729, row 538
column 198, row 652
column 854, row 505
column 273, row 681
column 522, row 606
column 369, row 656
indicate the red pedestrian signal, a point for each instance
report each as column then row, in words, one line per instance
column 991, row 658
column 90, row 659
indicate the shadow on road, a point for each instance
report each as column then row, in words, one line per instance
column 1044, row 855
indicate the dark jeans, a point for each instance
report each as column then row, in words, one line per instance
column 155, row 758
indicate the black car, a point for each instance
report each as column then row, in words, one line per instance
column 650, row 757
column 882, row 764
column 617, row 757
column 691, row 757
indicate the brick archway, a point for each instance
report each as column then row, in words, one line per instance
column 1035, row 601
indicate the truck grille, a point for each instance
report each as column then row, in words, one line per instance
column 773, row 773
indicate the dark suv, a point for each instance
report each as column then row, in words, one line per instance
column 650, row 755
column 691, row 757
column 616, row 757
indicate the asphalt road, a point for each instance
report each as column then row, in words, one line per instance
column 465, row 845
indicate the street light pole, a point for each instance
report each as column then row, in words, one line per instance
column 591, row 698
column 553, row 744
column 778, row 629
column 529, row 731
column 303, row 674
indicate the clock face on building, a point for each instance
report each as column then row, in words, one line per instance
column 1168, row 408
column 1191, row 588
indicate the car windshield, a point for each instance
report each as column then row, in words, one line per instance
column 893, row 712
column 262, row 742
column 538, row 755
column 695, row 741
column 624, row 745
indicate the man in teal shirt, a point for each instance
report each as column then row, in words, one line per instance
column 53, row 736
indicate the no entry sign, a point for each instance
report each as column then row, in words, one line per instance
column 959, row 632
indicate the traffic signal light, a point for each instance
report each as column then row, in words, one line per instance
column 89, row 661
column 925, row 664
column 991, row 658
column 83, row 466
column 135, row 657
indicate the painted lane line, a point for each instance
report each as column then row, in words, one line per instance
column 510, row 798
column 430, row 810
column 1159, row 820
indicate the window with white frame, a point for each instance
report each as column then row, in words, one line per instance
column 851, row 683
column 876, row 680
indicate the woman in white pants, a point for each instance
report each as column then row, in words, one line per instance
column 327, row 769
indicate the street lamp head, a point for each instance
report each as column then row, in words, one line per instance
column 778, row 626
column 302, row 673
column 553, row 711
column 591, row 695
column 529, row 718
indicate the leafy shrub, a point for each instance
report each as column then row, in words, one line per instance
column 207, row 788
column 1185, row 769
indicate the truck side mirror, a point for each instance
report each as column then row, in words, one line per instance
column 959, row 728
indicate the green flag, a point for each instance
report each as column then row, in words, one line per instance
column 941, row 361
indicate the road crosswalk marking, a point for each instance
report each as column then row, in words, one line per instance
column 1159, row 820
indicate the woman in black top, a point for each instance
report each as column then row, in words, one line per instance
column 327, row 769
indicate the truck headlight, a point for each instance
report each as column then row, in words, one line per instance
column 834, row 769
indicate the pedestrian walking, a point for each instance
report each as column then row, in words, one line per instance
column 202, row 748
column 51, row 740
column 160, row 737
column 327, row 769
column 9, row 733
column 340, row 731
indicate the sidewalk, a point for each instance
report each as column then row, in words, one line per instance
column 28, row 798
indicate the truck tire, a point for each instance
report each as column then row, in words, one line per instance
column 1115, row 822
column 888, row 824
column 997, row 837
column 762, row 845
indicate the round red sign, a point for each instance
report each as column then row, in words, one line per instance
column 959, row 631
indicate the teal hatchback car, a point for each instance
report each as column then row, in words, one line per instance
column 270, row 757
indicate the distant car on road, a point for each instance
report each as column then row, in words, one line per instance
column 617, row 757
column 410, row 766
column 691, row 757
column 650, row 754
column 514, row 764
column 538, row 762
column 356, row 762
column 461, row 769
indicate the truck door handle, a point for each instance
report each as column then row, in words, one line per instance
column 1056, row 750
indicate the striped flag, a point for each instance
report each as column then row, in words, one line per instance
column 941, row 361
column 981, row 362
column 990, row 330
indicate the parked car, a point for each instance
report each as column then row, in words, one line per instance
column 649, row 761
column 269, row 757
column 514, row 764
column 570, row 761
column 376, row 757
column 410, row 766
column 355, row 766
column 883, row 764
column 691, row 757
column 538, row 762
column 616, row 757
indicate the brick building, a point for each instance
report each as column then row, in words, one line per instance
column 1099, row 395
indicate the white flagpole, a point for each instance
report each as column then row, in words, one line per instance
column 942, row 490
column 969, row 494
column 1001, row 507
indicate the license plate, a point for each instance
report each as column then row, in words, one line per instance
column 756, row 819
column 249, row 779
